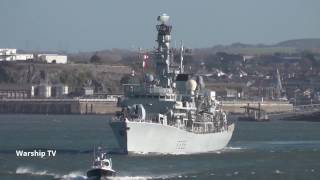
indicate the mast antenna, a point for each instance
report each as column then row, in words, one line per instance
column 181, row 58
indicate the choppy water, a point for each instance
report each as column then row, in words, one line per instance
column 275, row 150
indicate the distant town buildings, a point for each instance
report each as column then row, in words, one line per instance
column 87, row 91
column 15, row 91
column 247, row 57
column 8, row 51
column 24, row 57
column 12, row 55
column 53, row 58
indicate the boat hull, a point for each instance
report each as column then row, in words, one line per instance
column 162, row 139
column 98, row 173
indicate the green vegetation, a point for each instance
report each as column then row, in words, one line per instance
column 95, row 59
column 103, row 78
column 4, row 76
column 260, row 50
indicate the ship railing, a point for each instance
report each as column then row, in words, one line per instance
column 148, row 118
column 206, row 127
column 254, row 102
column 140, row 89
column 197, row 127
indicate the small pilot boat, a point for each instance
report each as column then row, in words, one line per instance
column 102, row 166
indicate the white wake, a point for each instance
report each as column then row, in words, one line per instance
column 69, row 176
column 79, row 175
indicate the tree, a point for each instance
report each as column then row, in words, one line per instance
column 4, row 76
column 95, row 59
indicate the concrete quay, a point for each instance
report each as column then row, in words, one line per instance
column 109, row 106
column 58, row 106
column 268, row 106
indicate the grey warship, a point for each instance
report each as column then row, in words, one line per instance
column 171, row 112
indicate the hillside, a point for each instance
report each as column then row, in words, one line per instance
column 102, row 77
column 289, row 46
column 311, row 43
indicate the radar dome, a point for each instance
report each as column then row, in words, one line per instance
column 163, row 18
column 191, row 85
column 149, row 78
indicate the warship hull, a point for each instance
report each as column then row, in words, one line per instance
column 155, row 138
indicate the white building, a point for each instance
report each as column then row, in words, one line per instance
column 11, row 55
column 8, row 54
column 87, row 91
column 53, row 58
column 247, row 57
column 7, row 51
column 23, row 57
column 7, row 58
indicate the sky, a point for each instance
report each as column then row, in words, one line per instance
column 90, row 25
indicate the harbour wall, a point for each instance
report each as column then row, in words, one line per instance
column 58, row 106
column 109, row 106
column 268, row 106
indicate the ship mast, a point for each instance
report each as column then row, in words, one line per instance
column 163, row 51
column 181, row 58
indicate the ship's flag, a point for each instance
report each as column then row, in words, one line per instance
column 144, row 63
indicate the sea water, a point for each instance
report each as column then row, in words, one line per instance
column 267, row 150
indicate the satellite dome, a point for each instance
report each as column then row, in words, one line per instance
column 149, row 78
column 191, row 85
column 163, row 18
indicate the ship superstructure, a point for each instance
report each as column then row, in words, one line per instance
column 171, row 111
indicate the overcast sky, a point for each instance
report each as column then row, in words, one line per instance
column 88, row 25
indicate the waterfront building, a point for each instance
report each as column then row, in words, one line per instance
column 12, row 55
column 87, row 91
column 24, row 57
column 53, row 58
column 14, row 91
column 8, row 51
